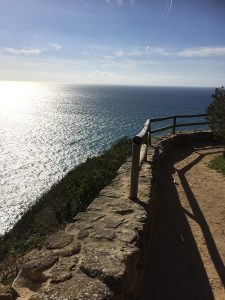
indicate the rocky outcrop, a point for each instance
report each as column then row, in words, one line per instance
column 102, row 254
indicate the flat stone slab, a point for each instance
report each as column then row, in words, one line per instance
column 58, row 240
column 88, row 216
column 103, row 233
column 112, row 221
column 107, row 262
column 37, row 262
column 71, row 249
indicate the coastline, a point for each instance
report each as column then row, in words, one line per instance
column 59, row 205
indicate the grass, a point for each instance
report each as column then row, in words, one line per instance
column 218, row 164
column 59, row 205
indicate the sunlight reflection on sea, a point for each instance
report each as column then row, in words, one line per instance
column 47, row 129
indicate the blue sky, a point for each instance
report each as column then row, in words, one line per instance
column 135, row 42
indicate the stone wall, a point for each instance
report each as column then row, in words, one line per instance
column 103, row 253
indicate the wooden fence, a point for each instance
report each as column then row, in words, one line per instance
column 144, row 139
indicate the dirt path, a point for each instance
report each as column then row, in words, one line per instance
column 188, row 253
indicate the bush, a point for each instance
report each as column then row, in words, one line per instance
column 218, row 164
column 216, row 111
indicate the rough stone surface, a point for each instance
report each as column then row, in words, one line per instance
column 79, row 287
column 107, row 262
column 111, row 221
column 72, row 249
column 102, row 254
column 83, row 234
column 124, row 211
column 58, row 240
column 7, row 293
column 62, row 269
column 103, row 233
column 127, row 235
column 37, row 262
column 89, row 216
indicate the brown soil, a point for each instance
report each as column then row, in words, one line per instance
column 188, row 247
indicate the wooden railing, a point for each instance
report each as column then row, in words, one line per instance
column 144, row 139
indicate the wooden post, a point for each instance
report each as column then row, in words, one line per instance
column 147, row 138
column 150, row 134
column 146, row 142
column 174, row 124
column 134, row 169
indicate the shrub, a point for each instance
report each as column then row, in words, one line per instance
column 218, row 164
column 59, row 205
column 216, row 111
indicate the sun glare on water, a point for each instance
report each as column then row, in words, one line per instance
column 15, row 94
column 22, row 106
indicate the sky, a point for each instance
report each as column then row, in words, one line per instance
column 128, row 42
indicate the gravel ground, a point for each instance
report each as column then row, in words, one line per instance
column 188, row 250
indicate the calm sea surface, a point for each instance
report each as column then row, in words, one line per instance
column 46, row 129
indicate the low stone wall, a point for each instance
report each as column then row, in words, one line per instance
column 103, row 253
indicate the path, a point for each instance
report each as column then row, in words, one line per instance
column 188, row 252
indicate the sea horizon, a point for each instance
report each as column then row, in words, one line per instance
column 47, row 129
column 110, row 84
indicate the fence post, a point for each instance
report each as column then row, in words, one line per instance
column 174, row 124
column 136, row 146
column 150, row 134
column 146, row 142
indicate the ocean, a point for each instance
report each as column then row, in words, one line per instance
column 47, row 129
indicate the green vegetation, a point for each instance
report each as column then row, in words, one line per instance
column 218, row 164
column 59, row 205
column 216, row 111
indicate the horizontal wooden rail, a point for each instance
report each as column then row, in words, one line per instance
column 143, row 139
column 161, row 129
column 192, row 116
column 191, row 124
column 175, row 124
column 158, row 119
column 161, row 119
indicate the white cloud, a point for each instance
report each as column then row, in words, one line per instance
column 162, row 76
column 23, row 51
column 192, row 52
column 202, row 52
column 119, row 53
column 170, row 3
column 157, row 50
column 134, row 52
column 102, row 74
column 121, row 3
column 55, row 46
column 142, row 53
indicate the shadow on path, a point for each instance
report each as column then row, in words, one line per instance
column 175, row 269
